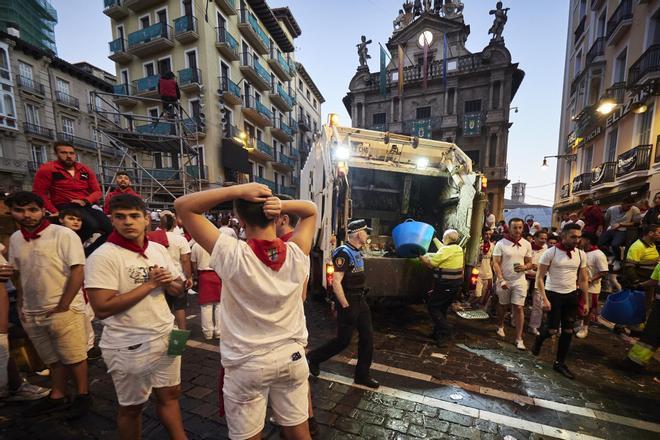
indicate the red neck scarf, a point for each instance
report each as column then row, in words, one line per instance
column 33, row 235
column 512, row 240
column 485, row 247
column 536, row 247
column 286, row 237
column 271, row 253
column 591, row 248
column 159, row 236
column 561, row 247
column 122, row 242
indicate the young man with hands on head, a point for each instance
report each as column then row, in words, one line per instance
column 263, row 322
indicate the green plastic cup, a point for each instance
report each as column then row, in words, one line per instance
column 177, row 344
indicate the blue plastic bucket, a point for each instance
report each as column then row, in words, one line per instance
column 412, row 238
column 626, row 307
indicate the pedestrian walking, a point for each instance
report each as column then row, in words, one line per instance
column 209, row 286
column 538, row 248
column 511, row 258
column 263, row 322
column 566, row 268
column 127, row 279
column 484, row 286
column 353, row 313
column 50, row 263
column 597, row 269
column 447, row 263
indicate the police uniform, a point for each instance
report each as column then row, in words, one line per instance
column 348, row 260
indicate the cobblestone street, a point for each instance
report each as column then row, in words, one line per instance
column 479, row 387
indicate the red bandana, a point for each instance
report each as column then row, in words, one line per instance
column 159, row 236
column 511, row 239
column 27, row 235
column 271, row 253
column 592, row 248
column 561, row 247
column 286, row 237
column 485, row 247
column 120, row 241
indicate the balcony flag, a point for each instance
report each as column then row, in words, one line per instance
column 425, row 65
column 421, row 128
column 383, row 72
column 400, row 70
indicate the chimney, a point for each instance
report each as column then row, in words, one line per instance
column 13, row 30
column 518, row 192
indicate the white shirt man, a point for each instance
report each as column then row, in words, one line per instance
column 178, row 245
column 228, row 231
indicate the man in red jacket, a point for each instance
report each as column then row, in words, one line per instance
column 169, row 92
column 593, row 217
column 123, row 186
column 65, row 183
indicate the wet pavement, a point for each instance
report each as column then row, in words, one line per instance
column 477, row 387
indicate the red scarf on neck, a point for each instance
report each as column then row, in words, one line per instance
column 159, row 236
column 33, row 235
column 592, row 248
column 512, row 240
column 536, row 247
column 122, row 242
column 271, row 253
column 286, row 237
column 561, row 247
column 485, row 247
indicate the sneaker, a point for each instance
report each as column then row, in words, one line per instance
column 45, row 372
column 93, row 353
column 314, row 369
column 584, row 331
column 46, row 406
column 500, row 332
column 367, row 382
column 208, row 337
column 81, row 405
column 26, row 392
column 534, row 331
column 520, row 345
column 563, row 370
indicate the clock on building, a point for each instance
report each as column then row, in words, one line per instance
column 426, row 35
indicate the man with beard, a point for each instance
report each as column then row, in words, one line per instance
column 124, row 186
column 66, row 183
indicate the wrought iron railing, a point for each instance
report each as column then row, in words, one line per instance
column 248, row 60
column 649, row 62
column 263, row 147
column 582, row 182
column 123, row 89
column 288, row 99
column 603, row 173
column 597, row 50
column 636, row 159
column 146, row 84
column 623, row 12
column 29, row 84
column 38, row 130
column 285, row 160
column 117, row 46
column 227, row 85
column 75, row 140
column 224, row 36
column 66, row 99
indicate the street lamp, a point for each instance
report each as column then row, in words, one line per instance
column 545, row 166
column 606, row 106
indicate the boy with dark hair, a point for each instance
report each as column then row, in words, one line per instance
column 50, row 263
column 263, row 323
column 127, row 279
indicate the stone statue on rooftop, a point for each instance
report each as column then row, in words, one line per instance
column 417, row 8
column 363, row 51
column 428, row 6
column 407, row 7
column 498, row 23
column 437, row 6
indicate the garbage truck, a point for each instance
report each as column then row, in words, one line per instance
column 387, row 178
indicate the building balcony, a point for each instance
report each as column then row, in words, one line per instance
column 118, row 52
column 38, row 131
column 194, row 127
column 279, row 64
column 147, row 87
column 284, row 162
column 115, row 9
column 253, row 32
column 75, row 141
column 197, row 172
column 161, row 174
column 255, row 72
column 597, row 51
column 634, row 163
column 185, row 29
column 30, row 86
column 157, row 128
column 190, row 80
column 227, row 6
column 565, row 191
column 646, row 68
column 67, row 100
column 577, row 80
column 603, row 175
column 269, row 183
column 282, row 99
column 293, row 124
column 579, row 30
column 581, row 184
column 231, row 132
column 229, row 91
column 304, row 122
column 261, row 150
column 617, row 92
column 286, row 190
column 150, row 41
column 256, row 112
column 33, row 166
column 226, row 44
column 620, row 22
column 281, row 131
column 14, row 166
column 124, row 94
column 139, row 5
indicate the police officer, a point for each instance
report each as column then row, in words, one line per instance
column 348, row 284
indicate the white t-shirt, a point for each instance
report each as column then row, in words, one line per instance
column 562, row 271
column 200, row 257
column 511, row 255
column 261, row 309
column 115, row 268
column 45, row 265
column 536, row 256
column 229, row 231
column 178, row 246
column 596, row 263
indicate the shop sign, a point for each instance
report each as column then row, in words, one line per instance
column 623, row 110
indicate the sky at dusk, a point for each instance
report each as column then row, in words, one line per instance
column 535, row 35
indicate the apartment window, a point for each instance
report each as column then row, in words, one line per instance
column 474, row 155
column 587, row 158
column 62, row 86
column 149, row 69
column 144, row 22
column 25, row 70
column 260, row 171
column 158, row 160
column 395, row 109
column 8, row 103
column 153, row 113
column 195, row 108
column 378, row 118
column 39, row 154
column 654, row 30
column 645, row 120
column 610, row 150
column 492, row 151
column 4, row 64
column 161, row 16
column 300, row 85
column 620, row 67
column 601, row 25
column 308, row 95
column 191, row 59
column 282, row 179
column 423, row 113
column 316, row 104
column 473, row 106
column 583, row 8
column 68, row 126
column 32, row 114
column 497, row 86
column 164, row 65
column 124, row 77
column 578, row 64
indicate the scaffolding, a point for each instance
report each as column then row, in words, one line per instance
column 177, row 135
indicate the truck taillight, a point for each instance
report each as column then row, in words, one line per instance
column 474, row 277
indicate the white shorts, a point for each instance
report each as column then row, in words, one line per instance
column 279, row 377
column 135, row 372
column 516, row 294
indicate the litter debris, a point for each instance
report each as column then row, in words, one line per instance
column 456, row 396
column 439, row 355
column 509, row 437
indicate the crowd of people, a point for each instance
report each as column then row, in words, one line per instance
column 72, row 261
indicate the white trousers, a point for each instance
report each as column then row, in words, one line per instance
column 210, row 312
